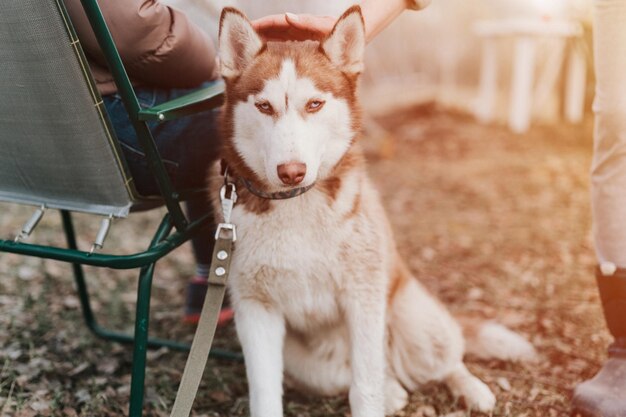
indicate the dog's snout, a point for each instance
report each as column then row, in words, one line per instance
column 291, row 173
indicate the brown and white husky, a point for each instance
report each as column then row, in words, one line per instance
column 319, row 291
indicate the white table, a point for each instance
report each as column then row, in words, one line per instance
column 525, row 33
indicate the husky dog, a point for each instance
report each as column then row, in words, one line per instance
column 319, row 291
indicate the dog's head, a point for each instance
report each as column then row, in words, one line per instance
column 291, row 111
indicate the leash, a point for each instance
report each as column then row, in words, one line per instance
column 225, row 237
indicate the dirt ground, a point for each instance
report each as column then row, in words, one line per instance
column 496, row 225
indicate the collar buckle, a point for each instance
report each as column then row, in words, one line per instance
column 228, row 200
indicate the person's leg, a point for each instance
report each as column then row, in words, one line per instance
column 187, row 146
column 192, row 173
column 603, row 396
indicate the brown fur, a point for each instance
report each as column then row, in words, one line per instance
column 398, row 279
column 332, row 184
column 254, row 204
column 356, row 207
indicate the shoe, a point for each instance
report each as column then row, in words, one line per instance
column 604, row 395
column 196, row 292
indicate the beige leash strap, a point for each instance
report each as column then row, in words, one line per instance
column 201, row 345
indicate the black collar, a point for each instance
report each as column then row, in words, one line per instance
column 278, row 195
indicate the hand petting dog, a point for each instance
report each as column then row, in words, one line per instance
column 377, row 15
column 297, row 27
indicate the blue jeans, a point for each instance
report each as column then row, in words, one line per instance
column 187, row 146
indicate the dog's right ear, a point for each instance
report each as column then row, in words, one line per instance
column 238, row 42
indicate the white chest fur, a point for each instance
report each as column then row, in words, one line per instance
column 288, row 258
column 297, row 258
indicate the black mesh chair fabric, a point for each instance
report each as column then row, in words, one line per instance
column 56, row 144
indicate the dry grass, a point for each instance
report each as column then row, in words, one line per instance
column 496, row 225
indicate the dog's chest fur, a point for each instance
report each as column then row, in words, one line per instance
column 302, row 256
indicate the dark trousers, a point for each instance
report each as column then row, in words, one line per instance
column 188, row 146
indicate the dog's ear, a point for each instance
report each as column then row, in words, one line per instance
column 345, row 45
column 238, row 42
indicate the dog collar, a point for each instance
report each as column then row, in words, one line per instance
column 278, row 195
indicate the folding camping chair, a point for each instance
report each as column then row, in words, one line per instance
column 58, row 151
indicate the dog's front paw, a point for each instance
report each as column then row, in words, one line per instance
column 478, row 396
column 367, row 401
column 396, row 397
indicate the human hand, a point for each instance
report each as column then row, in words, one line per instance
column 296, row 27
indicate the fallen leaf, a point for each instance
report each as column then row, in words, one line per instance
column 71, row 302
column 424, row 411
column 219, row 396
column 108, row 366
column 82, row 396
column 459, row 413
column 69, row 412
column 80, row 368
column 40, row 405
column 503, row 383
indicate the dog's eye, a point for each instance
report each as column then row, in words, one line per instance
column 264, row 107
column 314, row 105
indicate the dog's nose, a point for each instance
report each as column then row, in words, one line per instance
column 291, row 173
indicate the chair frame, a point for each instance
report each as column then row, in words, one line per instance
column 174, row 230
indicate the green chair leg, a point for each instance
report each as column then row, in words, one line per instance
column 83, row 294
column 91, row 322
column 142, row 321
column 79, row 276
column 142, row 317
column 85, row 301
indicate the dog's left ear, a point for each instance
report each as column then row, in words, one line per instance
column 345, row 45
column 238, row 42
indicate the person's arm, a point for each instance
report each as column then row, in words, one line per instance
column 378, row 14
column 159, row 45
